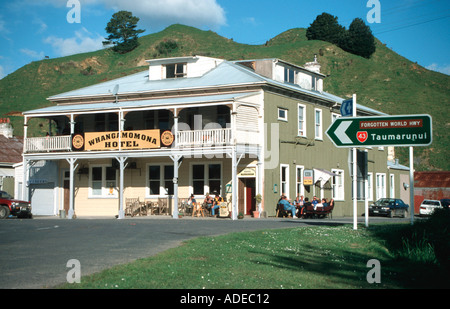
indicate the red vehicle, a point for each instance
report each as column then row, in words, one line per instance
column 10, row 206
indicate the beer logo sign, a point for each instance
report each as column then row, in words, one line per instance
column 167, row 138
column 78, row 141
column 362, row 136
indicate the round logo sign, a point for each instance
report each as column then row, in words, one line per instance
column 78, row 141
column 167, row 138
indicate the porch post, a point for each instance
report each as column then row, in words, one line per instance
column 177, row 159
column 234, row 188
column 24, row 181
column 121, row 169
column 71, row 190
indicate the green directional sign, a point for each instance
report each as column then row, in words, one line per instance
column 404, row 130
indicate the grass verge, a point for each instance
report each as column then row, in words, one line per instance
column 310, row 257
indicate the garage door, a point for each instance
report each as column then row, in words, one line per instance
column 42, row 199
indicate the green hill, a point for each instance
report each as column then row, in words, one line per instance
column 387, row 81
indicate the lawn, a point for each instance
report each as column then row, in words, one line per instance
column 307, row 257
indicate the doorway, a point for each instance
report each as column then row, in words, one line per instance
column 247, row 192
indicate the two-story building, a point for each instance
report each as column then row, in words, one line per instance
column 196, row 125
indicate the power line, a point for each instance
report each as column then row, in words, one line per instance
column 411, row 25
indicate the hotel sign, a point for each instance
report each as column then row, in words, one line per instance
column 127, row 140
column 405, row 130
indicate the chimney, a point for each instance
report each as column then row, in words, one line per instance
column 313, row 66
column 5, row 128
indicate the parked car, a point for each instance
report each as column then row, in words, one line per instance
column 427, row 207
column 445, row 202
column 389, row 207
column 10, row 206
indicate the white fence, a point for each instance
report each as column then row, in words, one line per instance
column 49, row 143
column 204, row 137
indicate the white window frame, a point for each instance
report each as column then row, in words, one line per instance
column 176, row 75
column 206, row 179
column 285, row 118
column 162, row 190
column 370, row 185
column 301, row 132
column 284, row 185
column 338, row 189
column 392, row 186
column 105, row 191
column 380, row 185
column 299, row 188
column 318, row 126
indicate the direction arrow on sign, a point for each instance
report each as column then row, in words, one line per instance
column 404, row 130
column 347, row 108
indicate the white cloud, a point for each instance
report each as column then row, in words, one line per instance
column 33, row 54
column 157, row 13
column 445, row 69
column 82, row 42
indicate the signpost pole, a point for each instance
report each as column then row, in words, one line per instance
column 411, row 183
column 355, row 208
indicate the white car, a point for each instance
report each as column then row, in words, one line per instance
column 428, row 206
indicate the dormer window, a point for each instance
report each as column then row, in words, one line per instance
column 175, row 70
column 289, row 75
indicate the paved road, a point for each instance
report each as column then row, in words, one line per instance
column 34, row 253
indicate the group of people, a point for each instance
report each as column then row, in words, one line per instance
column 298, row 206
column 211, row 204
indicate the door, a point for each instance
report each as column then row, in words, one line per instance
column 250, row 195
column 246, row 195
column 66, row 195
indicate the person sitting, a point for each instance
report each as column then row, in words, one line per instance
column 288, row 207
column 217, row 201
column 208, row 202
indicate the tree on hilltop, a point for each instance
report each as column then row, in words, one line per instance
column 359, row 39
column 326, row 28
column 122, row 32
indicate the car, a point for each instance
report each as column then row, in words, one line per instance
column 427, row 207
column 445, row 202
column 10, row 206
column 389, row 207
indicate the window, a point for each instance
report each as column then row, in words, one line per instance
column 160, row 180
column 337, row 185
column 299, row 181
column 206, row 178
column 175, row 70
column 198, row 179
column 102, row 181
column 282, row 114
column 370, row 181
column 301, row 120
column 284, row 179
column 154, row 179
column 380, row 186
column 318, row 123
column 289, row 75
column 391, row 186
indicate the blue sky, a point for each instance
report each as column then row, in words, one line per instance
column 32, row 29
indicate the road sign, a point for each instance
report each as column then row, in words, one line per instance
column 404, row 130
column 347, row 108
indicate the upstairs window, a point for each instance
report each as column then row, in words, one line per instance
column 289, row 75
column 175, row 70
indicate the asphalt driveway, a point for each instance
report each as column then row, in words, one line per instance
column 34, row 253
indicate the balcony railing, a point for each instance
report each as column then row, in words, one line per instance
column 47, row 144
column 194, row 138
column 198, row 138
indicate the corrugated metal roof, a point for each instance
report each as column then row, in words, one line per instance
column 432, row 179
column 225, row 74
column 141, row 103
column 10, row 149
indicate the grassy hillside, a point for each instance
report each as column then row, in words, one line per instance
column 387, row 82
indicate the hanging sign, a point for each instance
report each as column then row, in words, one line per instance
column 139, row 139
